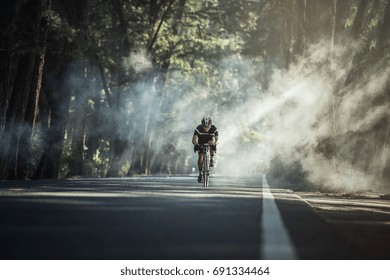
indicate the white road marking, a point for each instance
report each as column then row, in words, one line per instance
column 276, row 243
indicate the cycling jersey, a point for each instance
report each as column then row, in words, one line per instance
column 203, row 136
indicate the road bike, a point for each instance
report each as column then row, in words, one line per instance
column 206, row 170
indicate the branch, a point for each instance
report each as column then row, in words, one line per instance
column 154, row 38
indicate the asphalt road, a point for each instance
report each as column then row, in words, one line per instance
column 165, row 218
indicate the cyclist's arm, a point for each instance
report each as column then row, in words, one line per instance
column 213, row 141
column 195, row 139
column 215, row 138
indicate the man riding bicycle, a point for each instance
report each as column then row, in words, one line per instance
column 205, row 133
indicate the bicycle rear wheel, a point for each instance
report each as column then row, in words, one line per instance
column 205, row 178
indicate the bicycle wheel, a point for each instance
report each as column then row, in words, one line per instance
column 206, row 164
column 205, row 179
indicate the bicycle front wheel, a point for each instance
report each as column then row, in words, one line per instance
column 205, row 174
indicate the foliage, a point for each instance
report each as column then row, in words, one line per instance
column 131, row 71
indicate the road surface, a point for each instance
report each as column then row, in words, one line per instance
column 159, row 217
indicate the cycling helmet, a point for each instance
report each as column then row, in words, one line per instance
column 206, row 121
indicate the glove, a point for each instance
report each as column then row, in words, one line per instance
column 196, row 148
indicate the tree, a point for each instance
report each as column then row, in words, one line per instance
column 27, row 30
column 91, row 87
column 58, row 87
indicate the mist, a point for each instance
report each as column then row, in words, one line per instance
column 302, row 110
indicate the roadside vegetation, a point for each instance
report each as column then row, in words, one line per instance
column 298, row 89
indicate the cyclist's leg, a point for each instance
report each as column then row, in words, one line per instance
column 200, row 161
column 200, row 165
column 213, row 151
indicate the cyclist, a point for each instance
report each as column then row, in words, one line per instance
column 205, row 133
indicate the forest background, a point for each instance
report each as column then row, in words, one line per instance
column 298, row 89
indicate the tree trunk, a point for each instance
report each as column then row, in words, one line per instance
column 59, row 100
column 15, row 116
column 28, row 23
column 8, row 60
column 44, row 120
column 76, row 162
column 301, row 32
column 160, row 79
column 119, row 143
column 357, row 27
column 8, row 67
column 318, row 16
column 24, row 159
column 93, row 125
column 383, row 34
column 385, row 172
column 359, row 19
column 341, row 16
